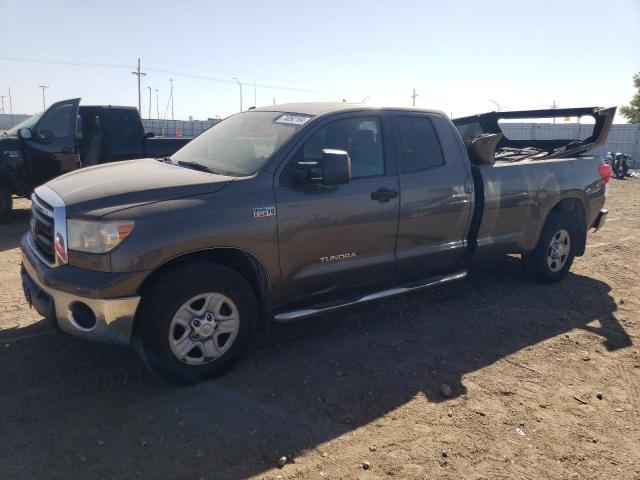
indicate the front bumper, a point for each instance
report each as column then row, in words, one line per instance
column 600, row 220
column 113, row 316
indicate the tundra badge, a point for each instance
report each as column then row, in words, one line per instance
column 264, row 212
column 339, row 256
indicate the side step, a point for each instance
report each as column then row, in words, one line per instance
column 306, row 312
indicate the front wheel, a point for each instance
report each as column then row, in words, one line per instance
column 553, row 256
column 195, row 322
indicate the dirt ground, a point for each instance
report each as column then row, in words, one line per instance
column 525, row 363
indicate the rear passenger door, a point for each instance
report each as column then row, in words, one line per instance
column 435, row 200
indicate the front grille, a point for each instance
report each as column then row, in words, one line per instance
column 42, row 228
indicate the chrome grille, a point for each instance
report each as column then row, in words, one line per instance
column 48, row 227
column 42, row 228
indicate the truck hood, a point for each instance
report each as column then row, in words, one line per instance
column 97, row 191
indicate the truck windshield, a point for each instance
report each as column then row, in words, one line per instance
column 28, row 123
column 241, row 144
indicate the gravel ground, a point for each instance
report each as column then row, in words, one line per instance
column 544, row 383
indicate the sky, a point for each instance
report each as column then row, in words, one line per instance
column 460, row 56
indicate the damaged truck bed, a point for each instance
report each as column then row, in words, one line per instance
column 487, row 143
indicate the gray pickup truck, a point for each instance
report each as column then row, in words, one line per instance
column 288, row 211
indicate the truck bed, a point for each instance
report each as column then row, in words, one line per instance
column 511, row 199
column 487, row 143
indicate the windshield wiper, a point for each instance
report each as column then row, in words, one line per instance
column 195, row 166
column 204, row 168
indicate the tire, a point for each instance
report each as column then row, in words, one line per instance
column 6, row 202
column 560, row 230
column 621, row 169
column 168, row 312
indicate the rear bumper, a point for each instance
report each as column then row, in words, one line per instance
column 105, row 320
column 600, row 220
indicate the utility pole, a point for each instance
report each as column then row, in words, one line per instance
column 240, row 85
column 414, row 97
column 2, row 99
column 10, row 106
column 44, row 103
column 157, row 104
column 171, row 97
column 554, row 105
column 149, row 102
column 139, row 74
column 274, row 101
column 255, row 95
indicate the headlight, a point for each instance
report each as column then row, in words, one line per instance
column 96, row 237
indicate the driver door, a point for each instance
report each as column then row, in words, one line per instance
column 51, row 150
column 333, row 238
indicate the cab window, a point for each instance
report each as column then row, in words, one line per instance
column 420, row 147
column 359, row 137
column 57, row 122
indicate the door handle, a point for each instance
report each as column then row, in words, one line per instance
column 383, row 195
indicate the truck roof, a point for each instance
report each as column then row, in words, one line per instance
column 324, row 108
column 118, row 107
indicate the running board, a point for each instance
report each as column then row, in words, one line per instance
column 306, row 312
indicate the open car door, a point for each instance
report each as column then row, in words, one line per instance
column 51, row 150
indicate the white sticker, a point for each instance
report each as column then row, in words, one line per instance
column 293, row 119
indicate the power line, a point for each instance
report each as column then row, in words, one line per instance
column 168, row 72
column 164, row 61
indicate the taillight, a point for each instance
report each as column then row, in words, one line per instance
column 606, row 172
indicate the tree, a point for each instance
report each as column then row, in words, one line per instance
column 632, row 111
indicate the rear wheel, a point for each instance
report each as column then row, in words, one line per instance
column 6, row 202
column 553, row 256
column 195, row 322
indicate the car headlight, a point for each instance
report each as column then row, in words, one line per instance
column 96, row 237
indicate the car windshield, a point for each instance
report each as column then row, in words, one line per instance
column 28, row 123
column 241, row 144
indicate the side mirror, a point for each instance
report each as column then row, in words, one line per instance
column 149, row 135
column 25, row 133
column 336, row 167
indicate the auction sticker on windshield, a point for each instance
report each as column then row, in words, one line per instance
column 290, row 119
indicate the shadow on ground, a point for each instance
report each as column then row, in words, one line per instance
column 92, row 411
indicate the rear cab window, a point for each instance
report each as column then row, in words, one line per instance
column 123, row 129
column 419, row 146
